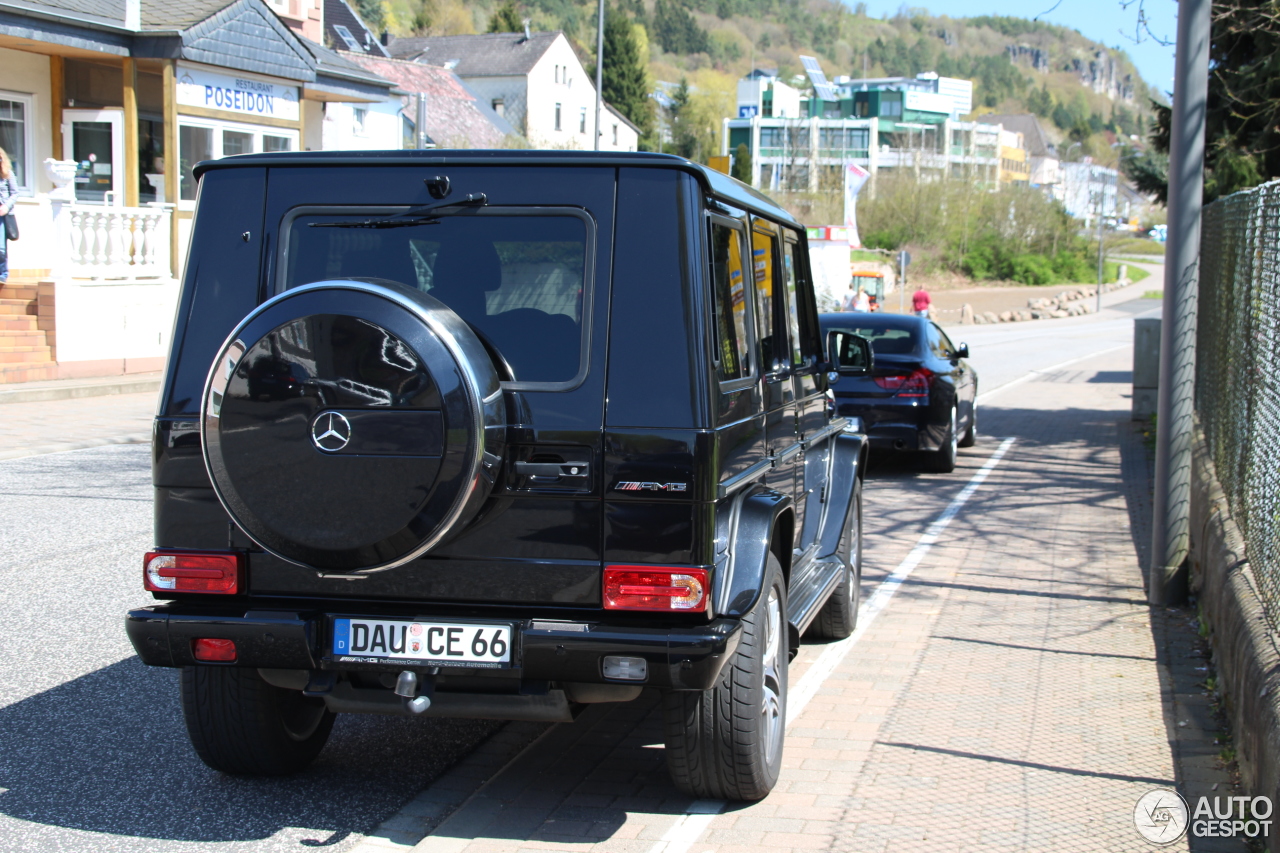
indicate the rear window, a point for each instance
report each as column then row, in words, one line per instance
column 519, row 279
column 886, row 341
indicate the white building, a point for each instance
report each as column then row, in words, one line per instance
column 1087, row 189
column 533, row 80
column 762, row 94
column 955, row 93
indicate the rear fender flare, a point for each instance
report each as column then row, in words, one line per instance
column 848, row 463
column 749, row 523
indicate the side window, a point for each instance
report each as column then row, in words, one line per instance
column 807, row 349
column 772, row 339
column 939, row 344
column 730, row 301
column 948, row 348
column 793, row 307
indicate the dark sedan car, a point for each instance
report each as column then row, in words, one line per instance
column 920, row 394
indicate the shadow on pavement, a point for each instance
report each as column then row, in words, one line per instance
column 108, row 752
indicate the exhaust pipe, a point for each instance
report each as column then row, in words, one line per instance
column 899, row 444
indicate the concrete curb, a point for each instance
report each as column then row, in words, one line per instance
column 42, row 449
column 64, row 390
column 1244, row 648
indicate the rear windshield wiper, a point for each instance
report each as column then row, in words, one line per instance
column 412, row 216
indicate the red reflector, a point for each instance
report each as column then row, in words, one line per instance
column 672, row 588
column 210, row 649
column 914, row 385
column 187, row 571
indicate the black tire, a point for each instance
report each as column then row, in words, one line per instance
column 970, row 437
column 839, row 616
column 943, row 460
column 242, row 725
column 726, row 743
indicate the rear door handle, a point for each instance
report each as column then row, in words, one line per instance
column 552, row 469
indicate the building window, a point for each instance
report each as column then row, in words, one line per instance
column 15, row 136
column 557, row 116
column 499, row 107
column 210, row 140
column 359, row 116
column 582, row 120
column 408, row 133
column 615, row 134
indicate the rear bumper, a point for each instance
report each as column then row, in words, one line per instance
column 892, row 424
column 686, row 658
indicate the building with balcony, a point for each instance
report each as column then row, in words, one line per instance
column 106, row 106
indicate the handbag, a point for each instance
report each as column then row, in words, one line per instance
column 11, row 221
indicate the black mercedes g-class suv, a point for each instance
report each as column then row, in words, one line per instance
column 495, row 435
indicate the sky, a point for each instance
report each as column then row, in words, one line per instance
column 1105, row 21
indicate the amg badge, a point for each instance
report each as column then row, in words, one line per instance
column 633, row 486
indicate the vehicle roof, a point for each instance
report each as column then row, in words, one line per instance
column 716, row 183
column 872, row 320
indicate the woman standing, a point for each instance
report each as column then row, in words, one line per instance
column 8, row 198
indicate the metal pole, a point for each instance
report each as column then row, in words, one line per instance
column 1175, row 396
column 420, row 121
column 599, row 71
column 902, row 285
column 1102, row 203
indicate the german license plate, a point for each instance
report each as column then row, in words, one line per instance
column 434, row 643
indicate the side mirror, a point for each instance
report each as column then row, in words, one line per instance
column 962, row 351
column 848, row 354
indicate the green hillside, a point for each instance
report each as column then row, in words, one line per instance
column 1083, row 89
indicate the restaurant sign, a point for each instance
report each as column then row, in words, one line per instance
column 245, row 97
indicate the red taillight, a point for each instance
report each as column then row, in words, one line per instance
column 216, row 651
column 678, row 589
column 916, row 384
column 187, row 571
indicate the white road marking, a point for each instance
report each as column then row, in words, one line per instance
column 1032, row 374
column 688, row 828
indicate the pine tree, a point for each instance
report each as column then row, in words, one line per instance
column 506, row 19
column 625, row 79
column 370, row 12
column 676, row 30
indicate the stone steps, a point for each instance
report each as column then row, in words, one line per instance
column 14, row 373
column 26, row 354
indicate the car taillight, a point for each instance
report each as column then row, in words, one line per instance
column 915, row 384
column 679, row 589
column 188, row 571
column 214, row 650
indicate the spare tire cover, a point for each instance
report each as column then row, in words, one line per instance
column 350, row 425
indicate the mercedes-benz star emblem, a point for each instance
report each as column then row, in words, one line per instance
column 330, row 431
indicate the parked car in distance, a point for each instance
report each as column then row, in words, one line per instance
column 920, row 394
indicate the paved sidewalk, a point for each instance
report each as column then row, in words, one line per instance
column 1013, row 696
column 50, row 426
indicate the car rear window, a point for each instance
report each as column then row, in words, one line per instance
column 519, row 280
column 886, row 341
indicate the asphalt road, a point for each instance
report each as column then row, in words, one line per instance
column 93, row 752
column 1008, row 351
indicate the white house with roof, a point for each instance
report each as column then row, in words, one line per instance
column 533, row 80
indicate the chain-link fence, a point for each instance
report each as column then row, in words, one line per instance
column 1238, row 368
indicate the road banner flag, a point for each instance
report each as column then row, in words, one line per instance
column 854, row 178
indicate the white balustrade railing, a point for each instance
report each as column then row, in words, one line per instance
column 118, row 242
